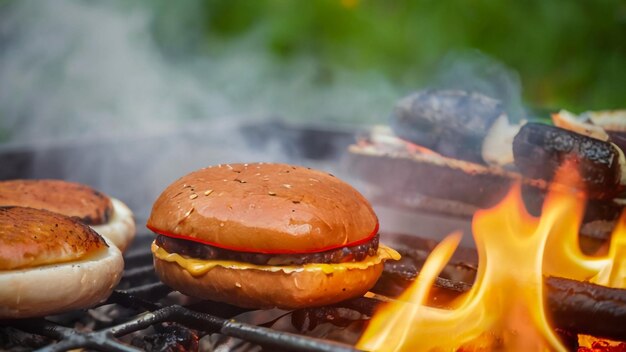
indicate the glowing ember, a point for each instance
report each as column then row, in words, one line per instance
column 415, row 148
column 592, row 344
column 504, row 308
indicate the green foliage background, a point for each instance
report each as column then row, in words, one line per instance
column 341, row 61
column 569, row 54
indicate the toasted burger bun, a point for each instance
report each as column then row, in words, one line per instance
column 120, row 229
column 108, row 216
column 264, row 208
column 263, row 286
column 50, row 263
column 272, row 209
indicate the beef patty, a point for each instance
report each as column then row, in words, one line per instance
column 204, row 251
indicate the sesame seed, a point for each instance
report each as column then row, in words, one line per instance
column 271, row 193
column 238, row 284
column 208, row 191
column 228, row 166
column 193, row 196
column 286, row 185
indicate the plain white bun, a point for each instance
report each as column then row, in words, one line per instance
column 55, row 288
column 120, row 229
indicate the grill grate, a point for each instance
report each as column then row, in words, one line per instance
column 144, row 314
column 139, row 303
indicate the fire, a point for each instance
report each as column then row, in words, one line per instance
column 564, row 258
column 613, row 273
column 503, row 310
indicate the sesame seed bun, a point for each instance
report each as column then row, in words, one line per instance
column 50, row 263
column 264, row 208
column 271, row 209
column 108, row 216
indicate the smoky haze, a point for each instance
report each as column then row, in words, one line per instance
column 101, row 100
column 87, row 85
column 83, row 69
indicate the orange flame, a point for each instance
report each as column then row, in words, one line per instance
column 564, row 258
column 613, row 274
column 504, row 308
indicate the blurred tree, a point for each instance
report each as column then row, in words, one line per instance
column 569, row 54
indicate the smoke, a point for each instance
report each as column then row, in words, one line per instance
column 472, row 70
column 125, row 98
column 103, row 102
column 82, row 69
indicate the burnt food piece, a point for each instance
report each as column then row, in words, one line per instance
column 540, row 149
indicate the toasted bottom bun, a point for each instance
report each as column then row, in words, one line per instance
column 254, row 286
column 121, row 226
column 57, row 288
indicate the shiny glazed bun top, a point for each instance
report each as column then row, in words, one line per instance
column 68, row 198
column 261, row 207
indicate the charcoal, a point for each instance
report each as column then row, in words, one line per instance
column 169, row 337
column 539, row 150
column 451, row 122
column 309, row 318
column 15, row 340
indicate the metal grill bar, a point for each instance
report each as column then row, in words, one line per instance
column 104, row 340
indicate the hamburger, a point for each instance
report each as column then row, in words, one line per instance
column 266, row 235
column 107, row 216
column 50, row 263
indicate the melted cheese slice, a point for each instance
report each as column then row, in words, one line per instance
column 198, row 267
